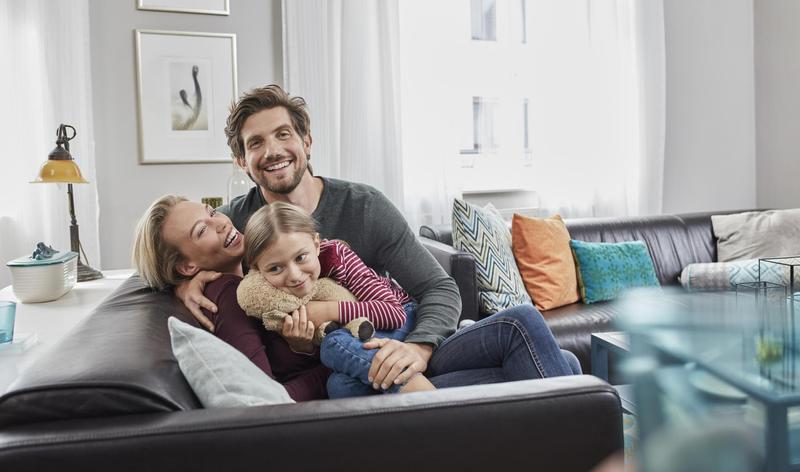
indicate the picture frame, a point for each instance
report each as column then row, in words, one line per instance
column 206, row 7
column 186, row 82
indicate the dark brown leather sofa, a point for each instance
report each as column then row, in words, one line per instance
column 110, row 396
column 674, row 241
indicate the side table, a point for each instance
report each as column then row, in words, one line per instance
column 50, row 321
column 603, row 344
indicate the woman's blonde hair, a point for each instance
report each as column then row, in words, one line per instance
column 268, row 222
column 154, row 258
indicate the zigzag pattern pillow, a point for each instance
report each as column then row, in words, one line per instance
column 725, row 275
column 483, row 233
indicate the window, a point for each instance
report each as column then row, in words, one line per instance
column 483, row 58
column 484, row 20
column 484, row 116
column 526, row 129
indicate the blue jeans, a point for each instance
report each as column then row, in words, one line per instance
column 350, row 362
column 515, row 344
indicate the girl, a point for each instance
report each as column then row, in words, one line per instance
column 282, row 244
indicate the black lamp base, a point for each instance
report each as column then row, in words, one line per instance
column 86, row 273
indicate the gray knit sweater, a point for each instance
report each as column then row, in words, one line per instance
column 364, row 218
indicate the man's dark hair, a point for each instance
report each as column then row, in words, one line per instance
column 264, row 98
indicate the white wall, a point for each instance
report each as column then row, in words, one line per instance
column 125, row 187
column 777, row 37
column 710, row 127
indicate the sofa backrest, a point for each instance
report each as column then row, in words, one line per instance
column 117, row 361
column 674, row 241
column 665, row 236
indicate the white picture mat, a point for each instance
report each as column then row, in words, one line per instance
column 211, row 7
column 157, row 54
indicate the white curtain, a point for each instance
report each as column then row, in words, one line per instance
column 591, row 71
column 599, row 109
column 430, row 108
column 46, row 81
column 342, row 57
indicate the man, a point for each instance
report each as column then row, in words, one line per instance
column 269, row 135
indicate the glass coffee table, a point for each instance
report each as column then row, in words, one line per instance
column 781, row 270
column 711, row 366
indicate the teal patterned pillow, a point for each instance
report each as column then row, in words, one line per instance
column 483, row 233
column 606, row 269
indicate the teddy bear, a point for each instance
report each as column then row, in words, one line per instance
column 260, row 299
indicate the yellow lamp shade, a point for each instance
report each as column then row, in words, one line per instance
column 60, row 171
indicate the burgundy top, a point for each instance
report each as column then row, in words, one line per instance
column 302, row 374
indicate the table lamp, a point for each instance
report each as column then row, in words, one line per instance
column 62, row 168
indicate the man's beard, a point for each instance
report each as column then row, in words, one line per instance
column 284, row 187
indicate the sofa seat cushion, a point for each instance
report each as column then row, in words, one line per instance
column 572, row 325
column 117, row 361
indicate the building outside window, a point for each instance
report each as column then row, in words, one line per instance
column 526, row 140
column 473, row 62
column 484, row 20
column 483, row 126
column 496, row 78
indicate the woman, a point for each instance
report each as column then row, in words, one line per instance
column 176, row 239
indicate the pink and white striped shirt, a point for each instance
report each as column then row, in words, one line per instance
column 379, row 299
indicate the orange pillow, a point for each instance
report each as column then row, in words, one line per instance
column 544, row 258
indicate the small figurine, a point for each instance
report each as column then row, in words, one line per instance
column 43, row 251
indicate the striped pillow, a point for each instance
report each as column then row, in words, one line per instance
column 483, row 233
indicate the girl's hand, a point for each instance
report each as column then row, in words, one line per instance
column 298, row 331
column 320, row 312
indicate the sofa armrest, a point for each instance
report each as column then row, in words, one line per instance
column 461, row 266
column 564, row 423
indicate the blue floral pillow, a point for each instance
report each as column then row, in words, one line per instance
column 606, row 269
column 483, row 233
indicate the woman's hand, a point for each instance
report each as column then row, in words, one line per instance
column 396, row 361
column 190, row 293
column 298, row 331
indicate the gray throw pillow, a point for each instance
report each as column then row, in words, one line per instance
column 757, row 234
column 220, row 375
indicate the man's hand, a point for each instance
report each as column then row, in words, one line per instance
column 298, row 331
column 191, row 294
column 396, row 361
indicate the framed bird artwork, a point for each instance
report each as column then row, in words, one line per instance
column 185, row 82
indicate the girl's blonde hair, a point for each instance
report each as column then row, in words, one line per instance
column 268, row 222
column 154, row 258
